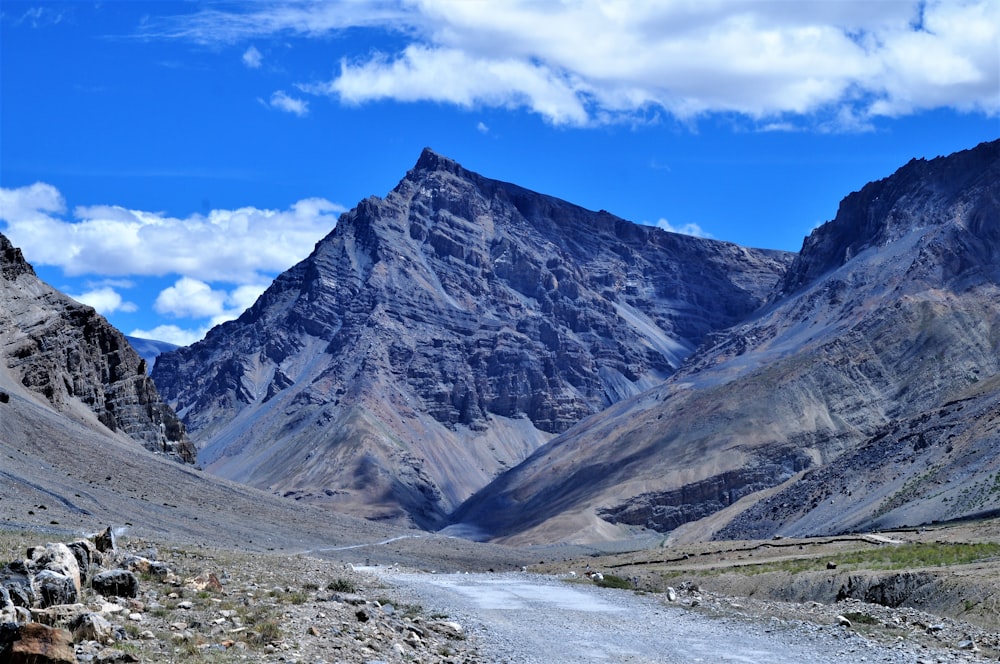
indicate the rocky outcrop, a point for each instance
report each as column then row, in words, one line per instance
column 666, row 510
column 877, row 361
column 70, row 355
column 438, row 336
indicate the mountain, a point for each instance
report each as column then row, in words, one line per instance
column 150, row 349
column 440, row 335
column 66, row 354
column 865, row 395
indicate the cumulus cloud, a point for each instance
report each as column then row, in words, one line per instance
column 589, row 62
column 223, row 260
column 252, row 58
column 193, row 298
column 281, row 101
column 232, row 246
column 684, row 229
column 106, row 300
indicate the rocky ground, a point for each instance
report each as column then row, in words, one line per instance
column 200, row 604
column 203, row 605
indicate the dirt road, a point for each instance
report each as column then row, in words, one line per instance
column 528, row 619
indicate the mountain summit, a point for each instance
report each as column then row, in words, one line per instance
column 440, row 335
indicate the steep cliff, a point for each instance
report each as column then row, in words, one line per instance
column 862, row 396
column 440, row 335
column 73, row 358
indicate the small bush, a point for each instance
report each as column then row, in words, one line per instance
column 860, row 618
column 612, row 581
column 342, row 585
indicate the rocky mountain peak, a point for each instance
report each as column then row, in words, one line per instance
column 12, row 263
column 459, row 322
column 909, row 200
column 432, row 161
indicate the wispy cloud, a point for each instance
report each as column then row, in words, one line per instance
column 281, row 101
column 683, row 229
column 252, row 58
column 589, row 62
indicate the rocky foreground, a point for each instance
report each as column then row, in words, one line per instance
column 96, row 601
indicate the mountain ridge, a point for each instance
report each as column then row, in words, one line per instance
column 810, row 381
column 71, row 357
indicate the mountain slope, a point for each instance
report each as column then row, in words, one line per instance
column 443, row 333
column 67, row 354
column 863, row 396
column 65, row 471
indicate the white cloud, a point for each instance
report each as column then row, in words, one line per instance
column 590, row 62
column 241, row 246
column 482, row 128
column 252, row 58
column 106, row 300
column 429, row 74
column 684, row 229
column 171, row 334
column 190, row 298
column 281, row 101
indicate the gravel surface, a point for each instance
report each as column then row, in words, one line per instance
column 526, row 619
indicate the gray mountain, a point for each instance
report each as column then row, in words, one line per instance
column 440, row 335
column 865, row 395
column 70, row 356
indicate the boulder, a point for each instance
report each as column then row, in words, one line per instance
column 35, row 643
column 92, row 627
column 116, row 583
column 86, row 554
column 57, row 615
column 53, row 588
column 55, row 557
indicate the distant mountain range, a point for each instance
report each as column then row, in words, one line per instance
column 468, row 353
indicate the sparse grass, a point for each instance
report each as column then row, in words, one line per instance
column 857, row 618
column 267, row 631
column 342, row 585
column 897, row 557
column 612, row 581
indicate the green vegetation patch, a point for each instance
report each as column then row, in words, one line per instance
column 893, row 557
column 612, row 581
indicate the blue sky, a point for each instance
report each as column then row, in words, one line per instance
column 163, row 161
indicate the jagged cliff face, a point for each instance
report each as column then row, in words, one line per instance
column 82, row 366
column 863, row 396
column 441, row 334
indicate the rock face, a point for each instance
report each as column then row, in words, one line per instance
column 67, row 353
column 440, row 335
column 863, row 396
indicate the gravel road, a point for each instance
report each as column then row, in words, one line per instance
column 527, row 619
